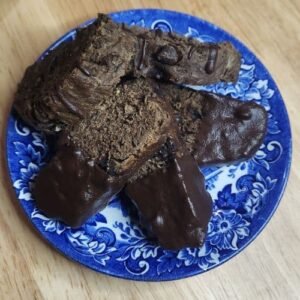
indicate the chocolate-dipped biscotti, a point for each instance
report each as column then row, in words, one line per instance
column 216, row 129
column 121, row 121
column 172, row 199
column 72, row 187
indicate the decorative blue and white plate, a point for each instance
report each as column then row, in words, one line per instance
column 245, row 194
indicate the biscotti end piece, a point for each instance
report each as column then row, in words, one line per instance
column 218, row 129
column 174, row 203
column 72, row 188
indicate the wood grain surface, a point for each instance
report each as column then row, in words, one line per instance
column 267, row 269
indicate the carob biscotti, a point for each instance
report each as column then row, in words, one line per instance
column 181, row 60
column 173, row 201
column 72, row 187
column 216, row 129
column 59, row 89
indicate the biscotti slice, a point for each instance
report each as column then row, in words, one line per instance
column 72, row 187
column 124, row 129
column 173, row 202
column 171, row 57
column 218, row 129
column 60, row 89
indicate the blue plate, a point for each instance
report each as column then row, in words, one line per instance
column 245, row 194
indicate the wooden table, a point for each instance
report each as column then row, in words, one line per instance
column 267, row 269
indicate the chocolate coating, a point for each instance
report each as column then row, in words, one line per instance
column 230, row 130
column 168, row 55
column 72, row 188
column 212, row 60
column 175, row 203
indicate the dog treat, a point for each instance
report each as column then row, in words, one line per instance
column 217, row 129
column 174, row 203
column 72, row 188
column 60, row 89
